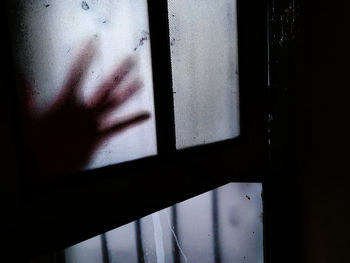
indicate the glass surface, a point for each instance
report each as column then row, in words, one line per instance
column 203, row 39
column 121, row 244
column 156, row 237
column 223, row 225
column 50, row 36
column 89, row 251
column 195, row 229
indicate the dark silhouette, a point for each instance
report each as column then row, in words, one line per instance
column 63, row 138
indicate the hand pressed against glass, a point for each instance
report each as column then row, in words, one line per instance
column 63, row 138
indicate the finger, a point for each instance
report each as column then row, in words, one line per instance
column 118, row 98
column 78, row 71
column 124, row 124
column 112, row 81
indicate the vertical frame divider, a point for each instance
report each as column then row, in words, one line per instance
column 162, row 78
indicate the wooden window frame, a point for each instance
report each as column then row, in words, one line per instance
column 91, row 202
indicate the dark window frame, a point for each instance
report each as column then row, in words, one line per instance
column 70, row 210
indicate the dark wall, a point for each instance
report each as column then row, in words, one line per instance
column 10, row 191
column 324, row 158
column 310, row 196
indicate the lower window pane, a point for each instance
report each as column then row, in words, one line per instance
column 223, row 225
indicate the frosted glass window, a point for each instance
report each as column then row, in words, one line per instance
column 121, row 244
column 223, row 225
column 240, row 217
column 89, row 251
column 157, row 237
column 195, row 235
column 48, row 36
column 203, row 39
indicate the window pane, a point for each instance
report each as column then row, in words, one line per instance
column 48, row 38
column 223, row 225
column 240, row 216
column 156, row 237
column 89, row 251
column 196, row 236
column 121, row 244
column 203, row 38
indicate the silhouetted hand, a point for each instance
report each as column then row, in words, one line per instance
column 63, row 138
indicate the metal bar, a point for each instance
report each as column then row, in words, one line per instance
column 139, row 246
column 215, row 216
column 176, row 252
column 104, row 246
